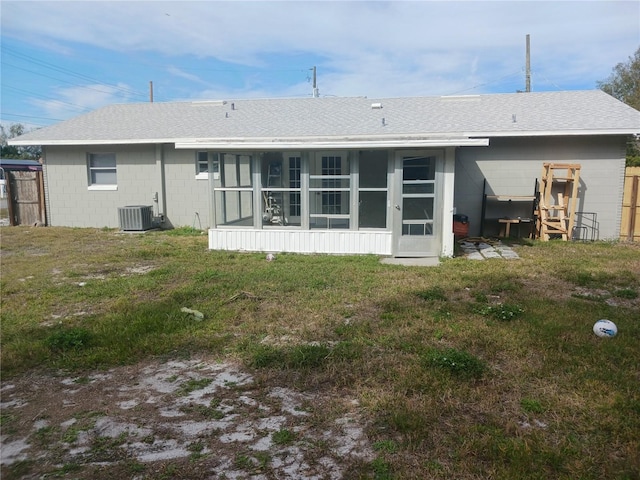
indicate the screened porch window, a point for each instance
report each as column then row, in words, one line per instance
column 281, row 186
column 234, row 191
column 372, row 191
column 329, row 191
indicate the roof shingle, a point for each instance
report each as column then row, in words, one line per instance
column 522, row 114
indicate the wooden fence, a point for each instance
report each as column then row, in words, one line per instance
column 25, row 195
column 630, row 226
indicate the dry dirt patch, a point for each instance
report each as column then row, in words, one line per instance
column 200, row 415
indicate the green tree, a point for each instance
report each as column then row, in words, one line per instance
column 624, row 84
column 10, row 151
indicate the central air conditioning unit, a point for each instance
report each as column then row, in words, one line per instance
column 136, row 217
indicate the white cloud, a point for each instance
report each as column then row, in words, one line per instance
column 374, row 48
column 75, row 100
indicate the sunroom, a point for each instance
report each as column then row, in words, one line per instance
column 383, row 201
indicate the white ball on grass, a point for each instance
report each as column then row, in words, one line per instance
column 605, row 328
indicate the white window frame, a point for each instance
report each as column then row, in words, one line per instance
column 91, row 169
column 211, row 159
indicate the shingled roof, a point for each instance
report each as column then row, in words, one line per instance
column 280, row 120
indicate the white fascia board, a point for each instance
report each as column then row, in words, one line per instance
column 307, row 144
column 141, row 141
column 555, row 133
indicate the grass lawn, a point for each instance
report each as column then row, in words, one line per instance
column 468, row 370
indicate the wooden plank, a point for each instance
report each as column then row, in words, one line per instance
column 630, row 225
column 633, row 208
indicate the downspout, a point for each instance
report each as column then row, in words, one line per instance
column 448, row 201
column 212, row 199
column 160, row 196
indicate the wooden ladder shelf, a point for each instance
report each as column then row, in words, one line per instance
column 557, row 199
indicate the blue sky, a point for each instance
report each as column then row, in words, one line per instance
column 61, row 59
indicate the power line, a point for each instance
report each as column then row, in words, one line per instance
column 31, row 116
column 19, row 90
column 58, row 79
column 485, row 84
column 66, row 71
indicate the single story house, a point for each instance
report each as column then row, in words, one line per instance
column 332, row 175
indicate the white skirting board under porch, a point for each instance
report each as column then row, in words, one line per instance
column 301, row 241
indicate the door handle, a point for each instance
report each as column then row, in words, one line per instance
column 397, row 207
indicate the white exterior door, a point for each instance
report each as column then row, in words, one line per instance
column 417, row 207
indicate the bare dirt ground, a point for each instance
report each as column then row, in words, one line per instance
column 191, row 418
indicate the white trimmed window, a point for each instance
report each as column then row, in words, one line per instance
column 202, row 165
column 101, row 171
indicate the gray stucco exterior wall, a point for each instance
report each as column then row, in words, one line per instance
column 187, row 197
column 512, row 165
column 509, row 165
column 70, row 201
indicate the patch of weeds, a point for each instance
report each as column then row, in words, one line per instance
column 510, row 285
column 433, row 466
column 208, row 275
column 594, row 297
column 628, row 293
column 207, row 412
column 283, row 437
column 85, row 421
column 300, row 356
column 243, row 461
column 192, row 385
column 441, row 314
column 196, row 449
column 134, row 467
column 184, row 232
column 308, row 356
column 107, row 448
column 381, row 469
column 480, row 297
column 408, row 421
column 17, row 470
column 66, row 468
column 347, row 350
column 266, row 356
column 531, row 405
column 65, row 339
column 169, row 472
column 387, row 446
column 435, row 294
column 457, row 362
column 502, row 311
column 7, row 423
column 264, row 459
column 71, row 434
column 43, row 436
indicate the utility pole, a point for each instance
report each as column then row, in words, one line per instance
column 315, row 85
column 528, row 67
column 151, row 92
